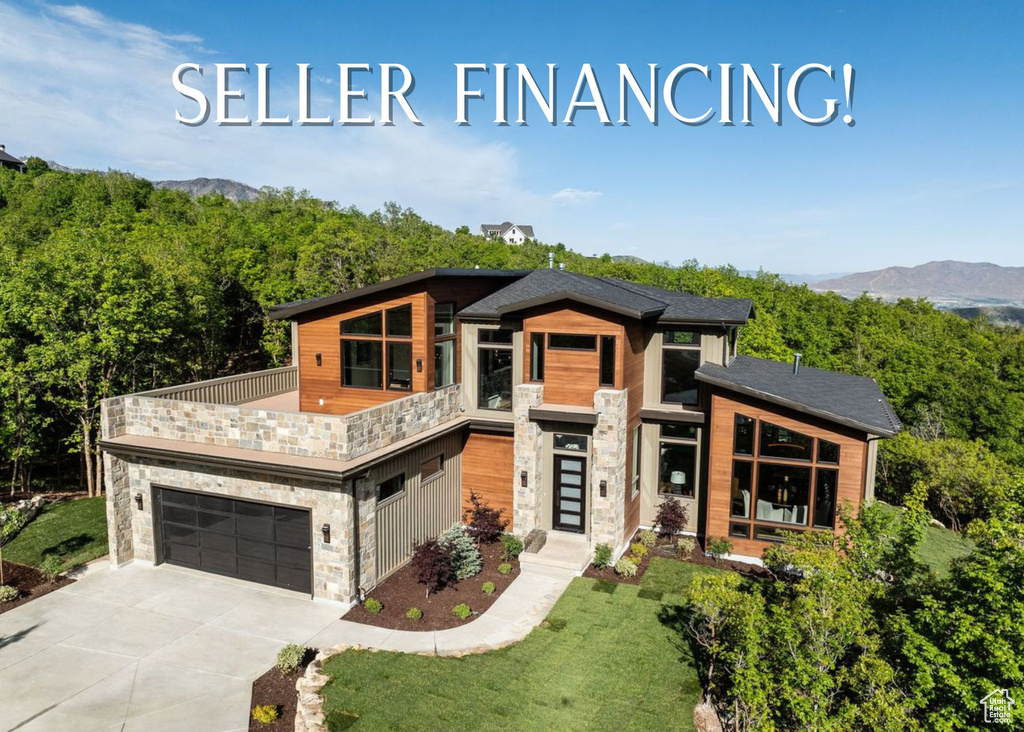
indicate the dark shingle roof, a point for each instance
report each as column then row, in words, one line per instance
column 685, row 307
column 6, row 157
column 854, row 401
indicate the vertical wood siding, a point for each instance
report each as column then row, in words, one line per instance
column 488, row 469
column 633, row 380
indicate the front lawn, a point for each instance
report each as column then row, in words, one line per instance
column 76, row 531
column 609, row 657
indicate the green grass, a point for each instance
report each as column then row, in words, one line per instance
column 608, row 657
column 76, row 531
column 939, row 546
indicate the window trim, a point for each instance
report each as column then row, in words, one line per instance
column 394, row 496
column 442, row 463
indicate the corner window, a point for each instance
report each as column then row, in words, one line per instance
column 680, row 359
column 399, row 322
column 536, row 357
column 607, row 376
column 391, row 487
column 572, row 342
column 364, row 325
column 362, row 364
column 376, row 350
column 494, row 364
column 431, row 468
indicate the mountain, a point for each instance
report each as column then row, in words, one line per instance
column 947, row 282
column 204, row 186
column 997, row 315
column 798, row 279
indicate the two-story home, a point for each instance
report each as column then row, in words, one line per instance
column 508, row 232
column 9, row 161
column 577, row 404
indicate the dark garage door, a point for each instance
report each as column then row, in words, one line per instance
column 251, row 541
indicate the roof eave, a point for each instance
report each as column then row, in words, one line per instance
column 582, row 299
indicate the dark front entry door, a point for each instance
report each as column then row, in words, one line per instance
column 252, row 541
column 570, row 489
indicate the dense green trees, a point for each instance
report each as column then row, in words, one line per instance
column 107, row 285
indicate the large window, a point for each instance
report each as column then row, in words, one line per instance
column 400, row 366
column 494, row 364
column 680, row 358
column 375, row 346
column 362, row 364
column 444, row 344
column 677, row 463
column 782, row 480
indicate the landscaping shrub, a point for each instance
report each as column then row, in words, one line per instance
column 625, row 568
column 505, row 568
column 414, row 613
column 51, row 567
column 648, row 538
column 461, row 611
column 465, row 557
column 8, row 593
column 671, row 518
column 602, row 556
column 685, row 547
column 265, row 713
column 638, row 549
column 433, row 565
column 718, row 548
column 512, row 546
column 488, row 588
column 11, row 522
column 372, row 605
column 290, row 658
column 486, row 524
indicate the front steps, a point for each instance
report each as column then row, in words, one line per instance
column 561, row 550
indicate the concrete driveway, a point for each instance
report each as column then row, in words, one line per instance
column 146, row 648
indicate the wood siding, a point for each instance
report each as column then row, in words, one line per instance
column 633, row 380
column 424, row 509
column 487, row 468
column 724, row 408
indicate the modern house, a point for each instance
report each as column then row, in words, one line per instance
column 9, row 161
column 577, row 404
column 508, row 232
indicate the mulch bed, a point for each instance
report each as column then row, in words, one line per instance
column 30, row 583
column 608, row 573
column 400, row 592
column 278, row 690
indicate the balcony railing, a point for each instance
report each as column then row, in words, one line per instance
column 233, row 389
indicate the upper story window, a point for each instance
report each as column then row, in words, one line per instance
column 367, row 354
column 444, row 319
column 572, row 342
column 680, row 359
column 536, row 357
column 494, row 369
column 399, row 322
column 363, row 325
column 785, row 444
column 607, row 373
column 444, row 344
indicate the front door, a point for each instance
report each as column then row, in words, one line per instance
column 570, row 493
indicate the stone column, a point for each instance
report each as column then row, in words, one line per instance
column 366, row 495
column 119, row 509
column 528, row 457
column 608, row 463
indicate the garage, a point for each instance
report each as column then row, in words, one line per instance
column 252, row 541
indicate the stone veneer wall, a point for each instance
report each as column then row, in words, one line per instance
column 336, row 437
column 528, row 455
column 608, row 463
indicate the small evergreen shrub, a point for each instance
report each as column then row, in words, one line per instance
column 265, row 713
column 505, row 568
column 511, row 547
column 625, row 568
column 51, row 568
column 685, row 547
column 414, row 613
column 290, row 658
column 465, row 557
column 8, row 593
column 647, row 538
column 488, row 588
column 671, row 518
column 372, row 605
column 718, row 548
column 486, row 524
column 461, row 611
column 433, row 565
column 638, row 549
column 602, row 556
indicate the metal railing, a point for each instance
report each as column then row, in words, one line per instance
column 233, row 389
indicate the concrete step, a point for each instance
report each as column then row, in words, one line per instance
column 564, row 551
column 575, row 564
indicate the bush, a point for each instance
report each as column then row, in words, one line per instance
column 461, row 611
column 372, row 605
column 465, row 557
column 8, row 593
column 717, row 548
column 505, row 568
column 433, row 565
column 51, row 567
column 414, row 613
column 685, row 547
column 265, row 713
column 602, row 556
column 671, row 518
column 511, row 546
column 625, row 568
column 290, row 658
column 648, row 538
column 638, row 549
column 488, row 588
column 486, row 524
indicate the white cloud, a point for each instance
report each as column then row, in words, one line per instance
column 575, row 195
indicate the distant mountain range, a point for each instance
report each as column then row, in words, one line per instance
column 798, row 279
column 195, row 187
column 996, row 314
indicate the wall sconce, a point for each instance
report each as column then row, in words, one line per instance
column 319, row 359
column 419, row 365
column 138, row 501
column 326, row 529
column 522, row 478
column 604, row 488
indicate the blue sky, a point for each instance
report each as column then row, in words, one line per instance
column 932, row 169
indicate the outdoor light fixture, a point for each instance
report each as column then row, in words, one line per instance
column 326, row 529
column 419, row 365
column 522, row 478
column 604, row 488
column 138, row 500
column 319, row 359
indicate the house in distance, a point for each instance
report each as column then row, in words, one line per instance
column 508, row 232
column 9, row 161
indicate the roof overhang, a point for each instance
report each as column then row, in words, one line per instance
column 579, row 298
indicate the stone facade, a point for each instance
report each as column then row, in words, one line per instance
column 528, row 454
column 608, row 463
column 366, row 495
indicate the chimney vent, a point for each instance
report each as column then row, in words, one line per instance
column 796, row 363
column 561, row 265
column 2, row 147
column 551, row 260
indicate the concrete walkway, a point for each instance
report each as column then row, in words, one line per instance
column 157, row 648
